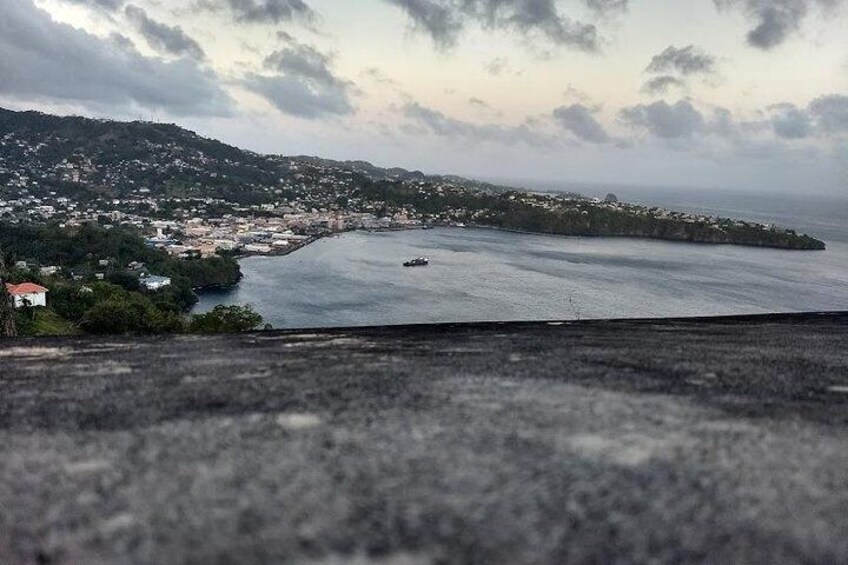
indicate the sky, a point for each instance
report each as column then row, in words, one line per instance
column 749, row 95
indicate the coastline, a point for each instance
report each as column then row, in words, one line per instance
column 642, row 237
column 315, row 238
column 358, row 280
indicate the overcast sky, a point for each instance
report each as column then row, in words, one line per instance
column 742, row 94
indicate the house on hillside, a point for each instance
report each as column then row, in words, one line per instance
column 27, row 294
column 153, row 282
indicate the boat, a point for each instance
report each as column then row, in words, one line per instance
column 419, row 262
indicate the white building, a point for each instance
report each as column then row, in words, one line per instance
column 27, row 294
column 153, row 282
column 258, row 248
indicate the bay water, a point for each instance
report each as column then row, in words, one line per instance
column 357, row 279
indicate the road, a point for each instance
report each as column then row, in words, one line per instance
column 708, row 441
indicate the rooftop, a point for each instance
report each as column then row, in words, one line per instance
column 25, row 288
column 719, row 440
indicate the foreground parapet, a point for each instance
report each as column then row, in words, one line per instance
column 655, row 441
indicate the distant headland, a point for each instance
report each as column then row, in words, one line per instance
column 196, row 196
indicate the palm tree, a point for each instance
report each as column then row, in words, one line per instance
column 7, row 312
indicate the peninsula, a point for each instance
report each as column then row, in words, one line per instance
column 195, row 196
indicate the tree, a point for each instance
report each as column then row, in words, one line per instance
column 8, row 327
column 130, row 313
column 225, row 319
column 124, row 280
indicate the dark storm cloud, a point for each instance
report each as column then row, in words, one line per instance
column 262, row 11
column 790, row 122
column 580, row 121
column 774, row 20
column 687, row 60
column 444, row 126
column 677, row 121
column 444, row 20
column 304, row 84
column 42, row 59
column 662, row 84
column 164, row 38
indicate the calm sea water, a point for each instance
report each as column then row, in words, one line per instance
column 483, row 275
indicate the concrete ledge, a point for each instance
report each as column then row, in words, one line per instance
column 711, row 440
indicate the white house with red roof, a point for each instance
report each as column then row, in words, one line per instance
column 27, row 294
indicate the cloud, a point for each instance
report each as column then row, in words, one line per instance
column 43, row 59
column 774, row 20
column 122, row 42
column 573, row 93
column 379, row 76
column 106, row 5
column 678, row 121
column 686, row 61
column 444, row 126
column 831, row 111
column 444, row 20
column 822, row 120
column 497, row 65
column 789, row 122
column 302, row 61
column 604, row 7
column 164, row 38
column 298, row 98
column 824, row 117
column 580, row 121
column 662, row 84
column 262, row 11
column 440, row 22
column 304, row 84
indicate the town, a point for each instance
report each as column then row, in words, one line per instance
column 188, row 207
column 307, row 198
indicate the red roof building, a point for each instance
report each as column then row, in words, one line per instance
column 25, row 288
column 27, row 294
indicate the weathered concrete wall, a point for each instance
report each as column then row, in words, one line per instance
column 702, row 441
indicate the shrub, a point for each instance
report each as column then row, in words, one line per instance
column 130, row 314
column 225, row 319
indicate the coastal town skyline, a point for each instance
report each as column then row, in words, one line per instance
column 733, row 94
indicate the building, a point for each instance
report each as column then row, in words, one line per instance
column 153, row 282
column 258, row 248
column 27, row 294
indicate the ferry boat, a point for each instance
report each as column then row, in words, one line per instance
column 419, row 262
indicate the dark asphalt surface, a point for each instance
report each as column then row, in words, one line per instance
column 710, row 441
